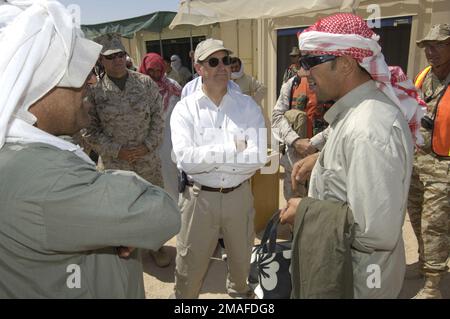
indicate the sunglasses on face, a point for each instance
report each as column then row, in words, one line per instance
column 213, row 62
column 309, row 61
column 119, row 55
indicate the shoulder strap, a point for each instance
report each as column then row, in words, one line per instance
column 293, row 87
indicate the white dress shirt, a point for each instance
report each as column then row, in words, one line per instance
column 203, row 138
column 367, row 163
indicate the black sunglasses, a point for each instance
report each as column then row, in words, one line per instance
column 309, row 61
column 213, row 62
column 119, row 55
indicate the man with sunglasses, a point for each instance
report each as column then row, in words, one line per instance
column 219, row 140
column 127, row 119
column 428, row 203
column 366, row 162
column 293, row 118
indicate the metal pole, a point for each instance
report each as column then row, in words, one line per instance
column 192, row 49
column 160, row 45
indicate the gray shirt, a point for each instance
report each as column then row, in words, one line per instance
column 367, row 163
column 58, row 214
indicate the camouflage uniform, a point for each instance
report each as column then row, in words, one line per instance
column 429, row 194
column 127, row 118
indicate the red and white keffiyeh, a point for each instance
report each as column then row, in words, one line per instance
column 347, row 34
column 166, row 88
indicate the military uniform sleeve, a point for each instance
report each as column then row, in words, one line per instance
column 282, row 130
column 155, row 134
column 87, row 210
column 95, row 136
column 259, row 90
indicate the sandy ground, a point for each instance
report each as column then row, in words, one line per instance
column 159, row 282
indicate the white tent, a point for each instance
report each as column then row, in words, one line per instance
column 201, row 12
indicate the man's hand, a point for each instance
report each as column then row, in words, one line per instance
column 241, row 145
column 303, row 147
column 124, row 252
column 139, row 152
column 287, row 214
column 125, row 154
column 131, row 154
column 302, row 169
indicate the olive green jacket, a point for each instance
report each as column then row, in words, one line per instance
column 61, row 221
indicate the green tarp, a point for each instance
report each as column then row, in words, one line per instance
column 153, row 22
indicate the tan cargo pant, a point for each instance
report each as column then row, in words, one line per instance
column 203, row 216
column 287, row 161
column 429, row 211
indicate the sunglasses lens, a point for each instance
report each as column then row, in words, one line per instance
column 226, row 60
column 213, row 62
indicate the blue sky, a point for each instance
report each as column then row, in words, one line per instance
column 98, row 11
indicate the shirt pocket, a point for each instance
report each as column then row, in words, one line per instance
column 326, row 183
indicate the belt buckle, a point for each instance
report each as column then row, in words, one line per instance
column 221, row 190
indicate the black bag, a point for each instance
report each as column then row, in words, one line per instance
column 270, row 274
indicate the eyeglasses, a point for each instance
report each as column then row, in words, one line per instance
column 213, row 62
column 309, row 61
column 119, row 55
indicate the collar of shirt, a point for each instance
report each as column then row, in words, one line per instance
column 201, row 96
column 351, row 99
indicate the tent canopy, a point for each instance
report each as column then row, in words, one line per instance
column 153, row 22
column 200, row 12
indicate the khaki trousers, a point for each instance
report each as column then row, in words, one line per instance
column 204, row 215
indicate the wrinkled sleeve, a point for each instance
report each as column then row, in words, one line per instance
column 281, row 128
column 87, row 210
column 376, row 190
column 95, row 135
column 255, row 155
column 155, row 134
column 259, row 91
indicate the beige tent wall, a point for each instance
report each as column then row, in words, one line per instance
column 136, row 46
column 255, row 41
column 424, row 12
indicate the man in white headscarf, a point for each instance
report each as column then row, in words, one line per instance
column 183, row 72
column 366, row 162
column 248, row 84
column 66, row 230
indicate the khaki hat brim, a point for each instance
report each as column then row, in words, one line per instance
column 206, row 54
column 421, row 43
column 112, row 51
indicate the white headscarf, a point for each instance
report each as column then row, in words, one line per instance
column 239, row 74
column 42, row 47
column 175, row 62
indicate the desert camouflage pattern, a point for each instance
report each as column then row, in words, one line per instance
column 429, row 194
column 128, row 118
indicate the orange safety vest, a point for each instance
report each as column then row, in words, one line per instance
column 440, row 140
column 311, row 109
column 441, row 129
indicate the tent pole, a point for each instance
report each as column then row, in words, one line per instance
column 160, row 45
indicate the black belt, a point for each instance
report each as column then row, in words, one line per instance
column 218, row 190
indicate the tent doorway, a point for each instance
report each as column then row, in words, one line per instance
column 180, row 47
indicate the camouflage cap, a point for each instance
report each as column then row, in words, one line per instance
column 111, row 43
column 438, row 32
